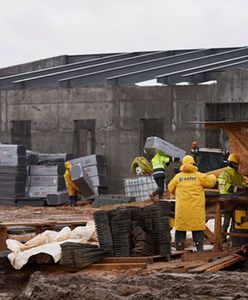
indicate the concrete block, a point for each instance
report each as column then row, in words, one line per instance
column 12, row 160
column 47, row 170
column 55, row 156
column 96, row 170
column 155, row 142
column 41, row 192
column 89, row 160
column 47, row 181
column 58, row 198
column 82, row 180
column 13, row 149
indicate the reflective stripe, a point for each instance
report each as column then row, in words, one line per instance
column 158, row 172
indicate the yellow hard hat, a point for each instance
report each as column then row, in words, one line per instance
column 67, row 165
column 233, row 158
column 188, row 160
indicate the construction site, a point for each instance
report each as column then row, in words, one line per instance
column 103, row 118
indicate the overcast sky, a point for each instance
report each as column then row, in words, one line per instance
column 37, row 29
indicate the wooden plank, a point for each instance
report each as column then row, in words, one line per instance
column 122, row 260
column 204, row 256
column 20, row 238
column 43, row 223
column 160, row 257
column 221, row 263
column 116, row 266
column 225, row 264
column 236, row 234
column 209, row 234
column 3, row 238
column 176, row 254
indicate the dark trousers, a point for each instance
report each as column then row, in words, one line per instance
column 160, row 190
column 198, row 237
column 73, row 200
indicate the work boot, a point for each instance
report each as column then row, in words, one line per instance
column 180, row 246
column 199, row 246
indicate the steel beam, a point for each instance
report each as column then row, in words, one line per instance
column 98, row 78
column 184, row 75
column 6, row 82
column 212, row 73
column 165, row 70
column 50, row 80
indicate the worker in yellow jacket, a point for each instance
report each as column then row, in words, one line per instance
column 159, row 162
column 231, row 181
column 190, row 215
column 72, row 190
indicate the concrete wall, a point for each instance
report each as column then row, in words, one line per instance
column 233, row 86
column 117, row 112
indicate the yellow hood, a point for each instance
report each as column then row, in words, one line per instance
column 188, row 168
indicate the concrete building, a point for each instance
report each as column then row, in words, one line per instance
column 114, row 120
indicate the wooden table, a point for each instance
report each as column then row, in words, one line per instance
column 223, row 203
column 39, row 225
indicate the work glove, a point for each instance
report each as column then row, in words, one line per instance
column 236, row 189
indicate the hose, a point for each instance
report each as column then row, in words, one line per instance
column 143, row 163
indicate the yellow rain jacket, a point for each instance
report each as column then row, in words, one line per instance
column 188, row 187
column 72, row 190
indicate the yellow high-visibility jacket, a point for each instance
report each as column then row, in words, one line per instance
column 188, row 187
column 230, row 177
column 72, row 190
column 159, row 162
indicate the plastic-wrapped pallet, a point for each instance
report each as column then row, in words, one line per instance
column 154, row 142
column 46, row 179
column 62, row 157
column 13, row 172
column 140, row 187
column 104, row 200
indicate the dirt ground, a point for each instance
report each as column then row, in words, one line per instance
column 64, row 212
column 135, row 284
column 29, row 213
column 132, row 285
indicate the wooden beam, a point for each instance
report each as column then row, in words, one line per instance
column 3, row 238
column 225, row 264
column 116, row 266
column 121, row 260
column 204, row 256
column 209, row 234
column 218, row 264
column 245, row 235
column 217, row 228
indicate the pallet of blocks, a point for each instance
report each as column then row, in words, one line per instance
column 13, row 173
column 95, row 167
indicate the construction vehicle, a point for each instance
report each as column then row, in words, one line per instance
column 208, row 159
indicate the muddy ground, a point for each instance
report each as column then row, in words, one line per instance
column 132, row 285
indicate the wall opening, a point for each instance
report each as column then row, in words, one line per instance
column 84, row 139
column 20, row 133
column 150, row 127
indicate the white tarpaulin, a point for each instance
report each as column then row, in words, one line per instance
column 48, row 242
